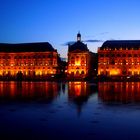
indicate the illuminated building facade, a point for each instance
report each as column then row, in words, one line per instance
column 119, row 59
column 28, row 61
column 79, row 60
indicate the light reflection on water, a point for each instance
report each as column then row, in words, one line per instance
column 124, row 92
column 71, row 110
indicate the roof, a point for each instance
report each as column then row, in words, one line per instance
column 26, row 47
column 78, row 46
column 79, row 35
column 121, row 44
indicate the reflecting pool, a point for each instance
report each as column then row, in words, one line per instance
column 69, row 110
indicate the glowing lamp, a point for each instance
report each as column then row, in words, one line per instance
column 77, row 63
column 114, row 72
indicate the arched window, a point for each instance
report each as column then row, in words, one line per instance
column 77, row 72
column 72, row 73
column 82, row 72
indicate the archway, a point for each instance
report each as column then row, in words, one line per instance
column 77, row 73
column 82, row 72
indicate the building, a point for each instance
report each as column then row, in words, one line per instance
column 119, row 59
column 79, row 60
column 30, row 61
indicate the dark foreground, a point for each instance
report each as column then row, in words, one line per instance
column 69, row 111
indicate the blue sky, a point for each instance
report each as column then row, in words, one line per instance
column 58, row 21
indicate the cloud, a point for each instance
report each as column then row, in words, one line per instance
column 86, row 41
column 93, row 41
column 68, row 43
column 103, row 33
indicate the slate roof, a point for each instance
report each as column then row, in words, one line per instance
column 121, row 44
column 78, row 46
column 26, row 47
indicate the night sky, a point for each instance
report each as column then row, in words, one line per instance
column 58, row 21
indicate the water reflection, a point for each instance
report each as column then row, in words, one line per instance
column 79, row 93
column 76, row 93
column 124, row 92
column 29, row 90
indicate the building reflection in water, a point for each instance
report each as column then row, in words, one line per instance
column 124, row 92
column 29, row 90
column 79, row 93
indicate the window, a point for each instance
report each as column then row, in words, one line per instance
column 112, row 55
column 82, row 72
column 124, row 55
column 49, row 56
column 101, row 55
column 124, row 62
column 118, row 55
column 112, row 62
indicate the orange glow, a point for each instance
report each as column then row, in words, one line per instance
column 77, row 63
column 28, row 90
column 122, row 91
column 77, row 66
column 25, row 65
column 1, row 72
column 51, row 72
column 78, row 89
column 122, row 62
column 114, row 72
